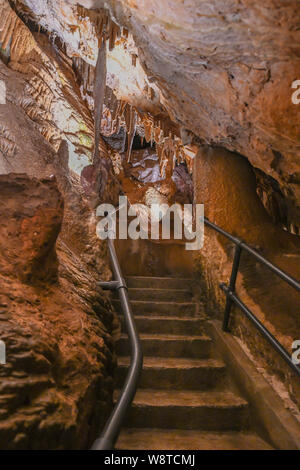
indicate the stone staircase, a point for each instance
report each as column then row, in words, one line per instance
column 185, row 398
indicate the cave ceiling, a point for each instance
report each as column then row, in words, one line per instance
column 218, row 73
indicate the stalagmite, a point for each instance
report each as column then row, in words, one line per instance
column 99, row 94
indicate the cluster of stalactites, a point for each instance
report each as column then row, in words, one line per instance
column 17, row 40
column 169, row 147
column 153, row 129
column 161, row 131
column 42, row 82
column 168, row 144
column 85, row 74
column 13, row 33
column 105, row 27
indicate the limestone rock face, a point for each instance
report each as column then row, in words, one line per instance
column 29, row 227
column 227, row 187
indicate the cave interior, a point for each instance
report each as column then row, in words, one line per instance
column 179, row 103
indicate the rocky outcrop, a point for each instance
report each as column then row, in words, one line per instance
column 56, row 385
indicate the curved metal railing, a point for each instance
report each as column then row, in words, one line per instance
column 113, row 426
column 231, row 296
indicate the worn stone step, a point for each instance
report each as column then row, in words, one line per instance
column 159, row 282
column 176, row 409
column 164, row 295
column 175, row 373
column 169, row 346
column 168, row 325
column 142, row 308
column 179, row 439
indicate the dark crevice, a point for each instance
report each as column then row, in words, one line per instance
column 140, row 143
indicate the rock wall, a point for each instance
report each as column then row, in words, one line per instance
column 59, row 328
column 225, row 183
column 56, row 385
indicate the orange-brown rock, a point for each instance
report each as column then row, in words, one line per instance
column 225, row 183
column 56, row 385
column 29, row 226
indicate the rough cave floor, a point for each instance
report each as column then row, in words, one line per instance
column 186, row 399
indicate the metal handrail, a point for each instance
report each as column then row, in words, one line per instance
column 113, row 426
column 231, row 296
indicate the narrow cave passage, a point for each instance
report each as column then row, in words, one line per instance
column 115, row 123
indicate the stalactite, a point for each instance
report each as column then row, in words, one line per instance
column 157, row 134
column 111, row 35
column 133, row 59
column 102, row 24
column 126, row 114
column 131, row 131
column 148, row 129
column 114, row 33
column 150, row 93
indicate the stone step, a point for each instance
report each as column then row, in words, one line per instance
column 164, row 295
column 175, row 373
column 175, row 409
column 139, row 307
column 168, row 325
column 179, row 439
column 169, row 346
column 159, row 282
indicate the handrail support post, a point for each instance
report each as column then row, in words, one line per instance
column 231, row 287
